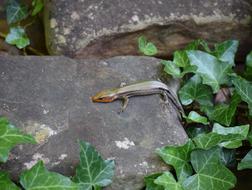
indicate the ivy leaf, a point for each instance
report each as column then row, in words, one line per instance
column 244, row 89
column 147, row 48
column 195, row 131
column 246, row 162
column 204, row 44
column 149, row 182
column 249, row 59
column 178, row 157
column 241, row 130
column 188, row 69
column 249, row 137
column 180, row 64
column 194, row 117
column 194, row 90
column 228, row 157
column 11, row 136
column 171, row 68
column 168, row 182
column 224, row 113
column 225, row 51
column 209, row 140
column 6, row 183
column 37, row 6
column 196, row 44
column 248, row 71
column 16, row 11
column 212, row 71
column 210, row 174
column 180, row 58
column 18, row 37
column 39, row 178
column 93, row 171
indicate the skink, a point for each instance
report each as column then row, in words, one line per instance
column 137, row 89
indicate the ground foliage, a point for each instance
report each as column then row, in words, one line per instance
column 92, row 172
column 16, row 14
column 202, row 163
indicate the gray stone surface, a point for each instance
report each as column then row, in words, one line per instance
column 95, row 28
column 49, row 97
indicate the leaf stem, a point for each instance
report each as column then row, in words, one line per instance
column 24, row 51
column 242, row 106
column 29, row 24
column 36, row 52
column 2, row 35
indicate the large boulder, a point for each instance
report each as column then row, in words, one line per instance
column 94, row 28
column 49, row 97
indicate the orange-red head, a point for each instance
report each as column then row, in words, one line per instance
column 105, row 96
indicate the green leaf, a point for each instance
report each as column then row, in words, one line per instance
column 180, row 58
column 249, row 59
column 209, row 140
column 194, row 117
column 224, row 113
column 149, row 182
column 204, row 44
column 39, row 178
column 228, row 157
column 37, row 6
column 147, row 48
column 248, row 72
column 11, row 136
column 244, row 89
column 246, row 162
column 249, row 137
column 195, row 131
column 194, row 90
column 16, row 11
column 6, row 183
column 188, row 69
column 196, row 44
column 212, row 71
column 18, row 37
column 178, row 157
column 171, row 69
column 93, row 171
column 211, row 174
column 168, row 182
column 225, row 51
column 241, row 131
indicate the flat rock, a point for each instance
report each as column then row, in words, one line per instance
column 94, row 28
column 49, row 97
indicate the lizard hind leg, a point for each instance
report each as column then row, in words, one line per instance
column 165, row 101
column 165, row 98
column 170, row 98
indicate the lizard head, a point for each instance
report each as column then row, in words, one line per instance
column 105, row 96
